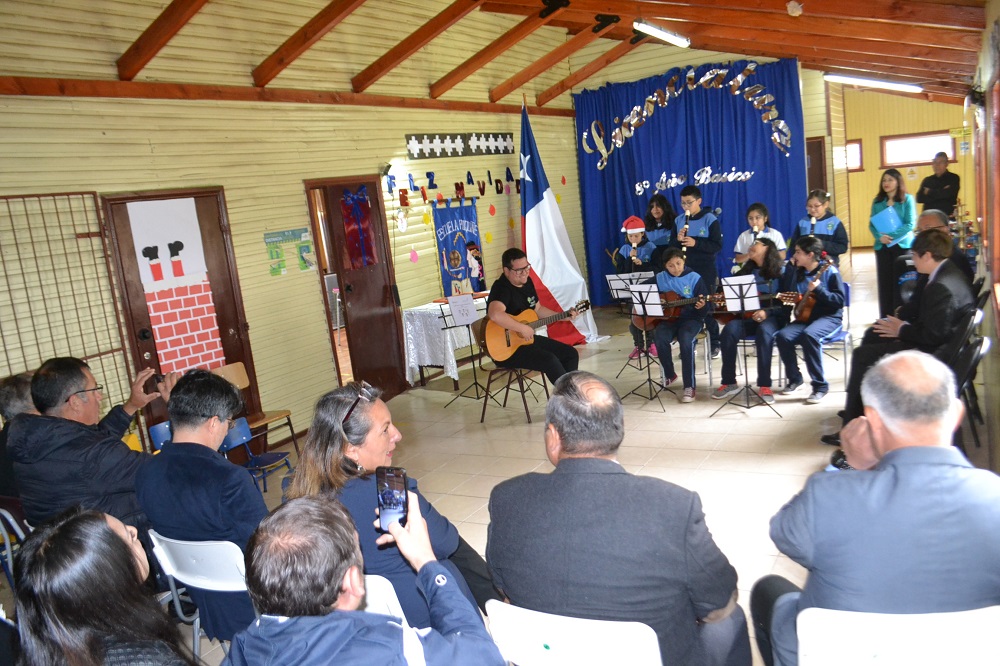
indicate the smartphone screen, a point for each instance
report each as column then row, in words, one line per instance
column 390, row 483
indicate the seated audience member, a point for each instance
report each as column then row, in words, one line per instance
column 191, row 492
column 685, row 284
column 15, row 398
column 352, row 434
column 513, row 293
column 80, row 597
column 765, row 265
column 929, row 219
column 822, row 282
column 918, row 533
column 304, row 572
column 592, row 540
column 65, row 457
column 929, row 324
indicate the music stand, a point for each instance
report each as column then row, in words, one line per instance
column 646, row 303
column 462, row 312
column 618, row 284
column 742, row 296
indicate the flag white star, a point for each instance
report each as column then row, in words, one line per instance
column 524, row 168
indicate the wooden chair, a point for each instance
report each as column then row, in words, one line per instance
column 236, row 373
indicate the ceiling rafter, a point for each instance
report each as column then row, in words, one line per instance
column 529, row 25
column 416, row 41
column 174, row 17
column 326, row 20
column 558, row 54
column 622, row 48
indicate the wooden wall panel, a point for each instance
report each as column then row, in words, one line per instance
column 841, row 200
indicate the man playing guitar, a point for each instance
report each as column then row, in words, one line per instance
column 513, row 293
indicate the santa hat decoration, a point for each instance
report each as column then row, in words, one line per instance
column 633, row 225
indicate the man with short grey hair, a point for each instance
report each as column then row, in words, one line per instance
column 15, row 398
column 592, row 540
column 915, row 530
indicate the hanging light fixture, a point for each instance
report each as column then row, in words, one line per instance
column 658, row 32
column 873, row 83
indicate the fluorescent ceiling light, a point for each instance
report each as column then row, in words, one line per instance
column 660, row 33
column 873, row 83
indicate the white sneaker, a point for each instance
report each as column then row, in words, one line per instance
column 688, row 395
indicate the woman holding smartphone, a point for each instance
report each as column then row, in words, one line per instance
column 888, row 246
column 351, row 435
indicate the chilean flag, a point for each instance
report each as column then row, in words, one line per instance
column 554, row 269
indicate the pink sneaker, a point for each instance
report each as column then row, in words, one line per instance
column 652, row 349
column 636, row 353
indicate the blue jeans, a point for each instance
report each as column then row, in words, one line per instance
column 684, row 331
column 763, row 333
column 810, row 337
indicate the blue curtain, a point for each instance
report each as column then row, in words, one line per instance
column 700, row 127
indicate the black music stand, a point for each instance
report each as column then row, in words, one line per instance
column 646, row 303
column 478, row 389
column 743, row 297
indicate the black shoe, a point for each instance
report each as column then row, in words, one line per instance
column 841, row 414
column 839, row 460
column 832, row 439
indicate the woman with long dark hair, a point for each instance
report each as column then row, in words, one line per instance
column 888, row 246
column 659, row 222
column 351, row 435
column 81, row 598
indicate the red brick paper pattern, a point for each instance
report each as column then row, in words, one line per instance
column 185, row 328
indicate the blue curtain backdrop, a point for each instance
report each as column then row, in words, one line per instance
column 703, row 127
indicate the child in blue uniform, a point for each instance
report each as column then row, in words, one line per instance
column 823, row 224
column 699, row 236
column 633, row 257
column 687, row 284
column 659, row 227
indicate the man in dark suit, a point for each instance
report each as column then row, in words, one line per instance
column 942, row 302
column 591, row 540
column 918, row 533
column 191, row 492
column 903, row 266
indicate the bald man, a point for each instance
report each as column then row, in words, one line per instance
column 915, row 530
column 594, row 541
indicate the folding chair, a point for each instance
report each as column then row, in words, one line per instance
column 843, row 337
column 260, row 467
column 236, row 373
column 964, row 368
column 524, row 385
column 208, row 565
column 160, row 434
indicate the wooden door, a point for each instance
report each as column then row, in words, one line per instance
column 183, row 306
column 356, row 245
column 816, row 164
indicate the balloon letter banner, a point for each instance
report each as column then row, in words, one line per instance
column 456, row 229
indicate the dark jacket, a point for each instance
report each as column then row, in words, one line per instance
column 61, row 463
column 356, row 637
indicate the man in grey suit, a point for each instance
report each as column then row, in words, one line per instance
column 916, row 529
column 591, row 540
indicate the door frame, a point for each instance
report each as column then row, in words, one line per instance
column 822, row 143
column 335, row 259
column 230, row 281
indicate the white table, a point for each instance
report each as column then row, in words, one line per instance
column 428, row 343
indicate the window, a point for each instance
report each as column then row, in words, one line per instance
column 854, row 159
column 916, row 149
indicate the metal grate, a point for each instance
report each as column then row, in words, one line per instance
column 57, row 296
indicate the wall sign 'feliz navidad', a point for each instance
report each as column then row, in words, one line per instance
column 498, row 185
column 781, row 134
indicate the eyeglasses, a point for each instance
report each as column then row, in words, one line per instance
column 98, row 388
column 230, row 423
column 520, row 271
column 364, row 393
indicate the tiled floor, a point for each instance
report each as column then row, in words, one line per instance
column 744, row 464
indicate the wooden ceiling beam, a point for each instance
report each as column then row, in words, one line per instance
column 587, row 71
column 45, row 87
column 558, row 54
column 326, row 20
column 529, row 25
column 934, row 15
column 451, row 15
column 174, row 17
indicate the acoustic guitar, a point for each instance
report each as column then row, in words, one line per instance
column 804, row 309
column 501, row 343
column 672, row 304
column 724, row 316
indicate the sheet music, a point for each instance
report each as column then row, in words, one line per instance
column 646, row 300
column 463, row 309
column 618, row 283
column 741, row 288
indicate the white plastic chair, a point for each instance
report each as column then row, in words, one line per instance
column 380, row 597
column 530, row 638
column 833, row 638
column 208, row 565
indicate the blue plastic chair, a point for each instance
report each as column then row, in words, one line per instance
column 260, row 467
column 160, row 434
column 843, row 337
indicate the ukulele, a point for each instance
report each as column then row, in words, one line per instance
column 672, row 304
column 501, row 343
column 804, row 309
column 786, row 297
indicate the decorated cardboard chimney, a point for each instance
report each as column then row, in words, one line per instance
column 152, row 254
column 176, row 263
